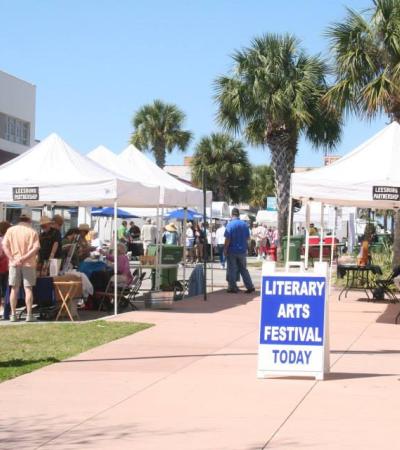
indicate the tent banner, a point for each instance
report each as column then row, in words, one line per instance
column 25, row 193
column 386, row 193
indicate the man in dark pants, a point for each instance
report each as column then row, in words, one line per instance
column 235, row 248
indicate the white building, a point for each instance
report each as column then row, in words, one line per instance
column 17, row 116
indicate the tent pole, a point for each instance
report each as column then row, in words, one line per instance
column 332, row 248
column 307, row 248
column 157, row 248
column 184, row 243
column 205, row 237
column 211, row 257
column 115, row 260
column 161, row 248
column 288, row 230
column 321, row 238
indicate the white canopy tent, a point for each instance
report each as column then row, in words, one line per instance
column 351, row 179
column 52, row 172
column 62, row 175
column 268, row 217
column 103, row 156
column 173, row 191
column 367, row 177
column 135, row 165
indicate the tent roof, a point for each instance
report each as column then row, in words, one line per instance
column 174, row 192
column 351, row 179
column 102, row 155
column 62, row 175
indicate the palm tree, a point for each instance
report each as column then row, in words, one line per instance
column 366, row 50
column 274, row 95
column 262, row 185
column 158, row 129
column 227, row 168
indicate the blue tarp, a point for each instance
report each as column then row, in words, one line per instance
column 109, row 212
column 179, row 214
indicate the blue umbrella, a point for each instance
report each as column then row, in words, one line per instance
column 179, row 214
column 109, row 212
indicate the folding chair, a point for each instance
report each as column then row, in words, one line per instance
column 387, row 285
column 134, row 290
column 180, row 289
column 107, row 297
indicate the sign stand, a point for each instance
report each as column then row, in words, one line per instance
column 294, row 335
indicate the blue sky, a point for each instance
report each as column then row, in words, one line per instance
column 95, row 62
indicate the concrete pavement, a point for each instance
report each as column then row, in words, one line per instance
column 190, row 383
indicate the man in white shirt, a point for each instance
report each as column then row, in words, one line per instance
column 148, row 234
column 220, row 241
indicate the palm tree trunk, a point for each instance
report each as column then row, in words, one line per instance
column 159, row 154
column 396, row 219
column 282, row 162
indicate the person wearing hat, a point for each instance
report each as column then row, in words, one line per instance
column 50, row 241
column 237, row 234
column 83, row 246
column 170, row 236
column 58, row 222
column 69, row 244
column 21, row 245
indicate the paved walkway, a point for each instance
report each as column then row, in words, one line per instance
column 190, row 383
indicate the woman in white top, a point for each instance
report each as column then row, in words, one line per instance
column 190, row 242
column 220, row 241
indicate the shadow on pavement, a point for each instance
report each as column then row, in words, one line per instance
column 336, row 376
column 390, row 313
column 348, row 375
column 367, row 352
column 216, row 301
column 41, row 431
column 198, row 355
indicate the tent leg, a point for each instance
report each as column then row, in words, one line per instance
column 184, row 243
column 157, row 263
column 321, row 238
column 307, row 247
column 115, row 260
column 332, row 249
column 205, row 237
column 212, row 262
column 288, row 230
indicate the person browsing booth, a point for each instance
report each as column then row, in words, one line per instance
column 21, row 245
column 237, row 234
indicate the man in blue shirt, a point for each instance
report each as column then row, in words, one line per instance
column 235, row 248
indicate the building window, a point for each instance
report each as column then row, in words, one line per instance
column 14, row 130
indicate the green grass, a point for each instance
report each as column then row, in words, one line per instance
column 25, row 348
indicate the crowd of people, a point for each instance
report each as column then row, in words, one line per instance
column 26, row 254
column 264, row 240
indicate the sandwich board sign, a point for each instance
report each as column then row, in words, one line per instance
column 293, row 323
